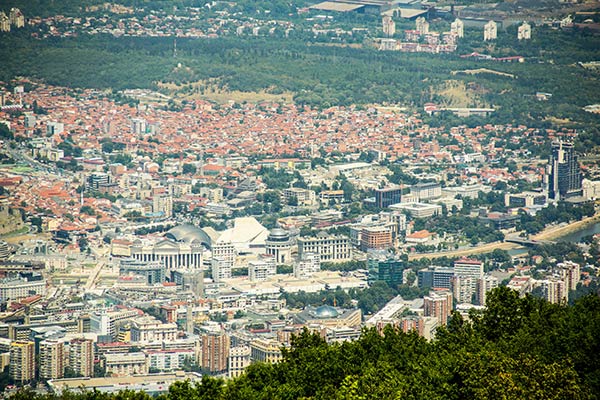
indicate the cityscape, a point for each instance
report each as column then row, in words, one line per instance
column 264, row 199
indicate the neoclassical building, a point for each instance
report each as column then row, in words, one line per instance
column 182, row 248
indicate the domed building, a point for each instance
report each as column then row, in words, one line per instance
column 181, row 248
column 329, row 316
column 279, row 245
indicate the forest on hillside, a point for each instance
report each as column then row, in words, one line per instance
column 519, row 348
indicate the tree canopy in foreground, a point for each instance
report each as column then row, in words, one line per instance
column 519, row 348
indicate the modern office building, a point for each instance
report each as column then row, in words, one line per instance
column 22, row 361
column 385, row 269
column 565, row 178
column 438, row 278
column 153, row 272
column 375, row 237
column 388, row 196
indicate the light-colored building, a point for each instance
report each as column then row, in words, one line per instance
column 279, row 245
column 260, row 270
column 418, row 210
column 468, row 268
column 490, row 31
column 305, row 197
column 426, row 190
column 17, row 289
column 168, row 360
column 265, row 350
column 484, row 285
column 524, row 31
column 51, row 359
column 22, row 361
column 182, row 248
column 591, row 189
column 17, row 19
column 125, row 364
column 81, row 356
column 439, row 305
column 306, row 267
column 105, row 323
column 389, row 26
column 238, row 361
column 422, row 25
column 331, row 248
column 4, row 25
column 458, row 27
column 148, row 330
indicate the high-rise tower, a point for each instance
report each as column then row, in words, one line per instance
column 564, row 173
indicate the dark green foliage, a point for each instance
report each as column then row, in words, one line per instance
column 519, row 348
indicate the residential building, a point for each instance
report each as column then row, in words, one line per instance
column 307, row 266
column 524, row 31
column 215, row 349
column 484, row 285
column 81, row 356
column 490, row 31
column 105, row 322
column 462, row 289
column 458, row 27
column 422, row 25
column 168, row 360
column 51, row 359
column 17, row 19
column 468, row 268
column 262, row 269
column 389, row 26
column 565, row 178
column 4, row 25
column 22, row 361
column 439, row 305
column 153, row 272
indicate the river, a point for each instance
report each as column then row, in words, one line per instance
column 573, row 237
